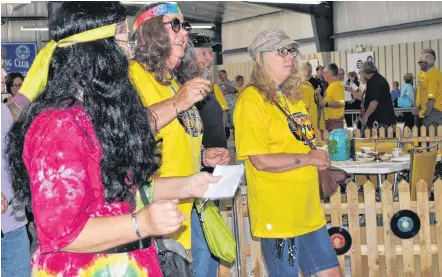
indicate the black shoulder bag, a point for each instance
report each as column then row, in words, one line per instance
column 174, row 259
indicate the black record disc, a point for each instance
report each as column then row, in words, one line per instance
column 405, row 224
column 340, row 239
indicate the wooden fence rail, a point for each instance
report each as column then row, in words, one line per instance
column 407, row 136
column 375, row 250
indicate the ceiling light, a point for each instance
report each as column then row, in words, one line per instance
column 25, row 28
column 202, row 25
column 142, row 2
column 307, row 2
column 16, row 2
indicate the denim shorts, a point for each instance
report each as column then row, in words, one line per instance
column 313, row 251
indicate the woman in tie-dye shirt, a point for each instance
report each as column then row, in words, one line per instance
column 83, row 149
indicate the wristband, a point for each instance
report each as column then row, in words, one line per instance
column 202, row 157
column 137, row 231
column 175, row 106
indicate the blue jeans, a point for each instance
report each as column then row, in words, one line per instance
column 16, row 254
column 204, row 263
column 313, row 253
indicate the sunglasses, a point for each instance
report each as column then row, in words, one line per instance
column 283, row 52
column 421, row 62
column 177, row 25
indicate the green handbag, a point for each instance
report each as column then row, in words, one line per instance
column 220, row 240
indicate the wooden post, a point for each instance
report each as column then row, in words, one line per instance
column 407, row 244
column 389, row 238
column 438, row 211
column 354, row 229
column 371, row 229
column 424, row 233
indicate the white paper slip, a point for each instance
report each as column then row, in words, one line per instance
column 226, row 188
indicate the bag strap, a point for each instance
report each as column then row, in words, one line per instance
column 161, row 248
column 298, row 127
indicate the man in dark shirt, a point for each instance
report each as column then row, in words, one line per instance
column 378, row 105
column 204, row 263
column 318, row 80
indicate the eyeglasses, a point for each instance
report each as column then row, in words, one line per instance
column 283, row 52
column 16, row 86
column 177, row 25
column 421, row 62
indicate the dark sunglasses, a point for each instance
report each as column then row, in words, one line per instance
column 421, row 62
column 283, row 52
column 176, row 25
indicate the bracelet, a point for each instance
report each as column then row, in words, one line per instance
column 175, row 106
column 137, row 231
column 202, row 157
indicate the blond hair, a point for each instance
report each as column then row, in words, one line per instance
column 262, row 80
column 408, row 77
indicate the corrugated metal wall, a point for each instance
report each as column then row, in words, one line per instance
column 393, row 61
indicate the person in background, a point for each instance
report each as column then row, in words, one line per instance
column 16, row 253
column 281, row 169
column 333, row 102
column 317, row 81
column 430, row 91
column 229, row 91
column 239, row 80
column 351, row 103
column 395, row 93
column 308, row 95
column 204, row 263
column 377, row 103
column 341, row 75
column 13, row 84
column 162, row 61
column 406, row 100
column 418, row 111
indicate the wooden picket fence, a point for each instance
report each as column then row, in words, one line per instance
column 375, row 250
column 422, row 136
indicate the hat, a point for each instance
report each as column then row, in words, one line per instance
column 202, row 41
column 270, row 40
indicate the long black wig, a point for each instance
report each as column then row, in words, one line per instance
column 100, row 70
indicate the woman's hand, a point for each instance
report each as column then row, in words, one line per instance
column 319, row 158
column 191, row 92
column 4, row 203
column 196, row 185
column 216, row 155
column 160, row 218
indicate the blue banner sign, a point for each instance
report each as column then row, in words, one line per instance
column 19, row 56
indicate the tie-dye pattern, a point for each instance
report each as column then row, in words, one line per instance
column 62, row 156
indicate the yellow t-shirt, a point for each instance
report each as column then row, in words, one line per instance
column 308, row 97
column 335, row 93
column 177, row 157
column 281, row 205
column 220, row 97
column 429, row 88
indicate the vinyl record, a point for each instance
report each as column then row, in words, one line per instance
column 405, row 224
column 340, row 239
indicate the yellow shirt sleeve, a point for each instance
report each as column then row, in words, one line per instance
column 220, row 97
column 251, row 124
column 146, row 90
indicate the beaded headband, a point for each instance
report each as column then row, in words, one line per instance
column 162, row 9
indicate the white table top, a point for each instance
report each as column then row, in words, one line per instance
column 384, row 167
